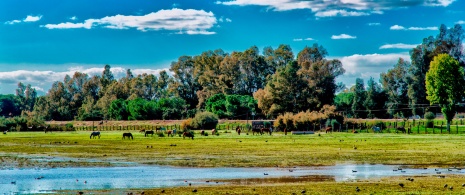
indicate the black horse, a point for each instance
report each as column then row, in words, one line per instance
column 188, row 135
column 149, row 132
column 95, row 134
column 258, row 131
column 128, row 135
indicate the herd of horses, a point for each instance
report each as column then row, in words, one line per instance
column 261, row 131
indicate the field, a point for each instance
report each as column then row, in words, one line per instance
column 21, row 149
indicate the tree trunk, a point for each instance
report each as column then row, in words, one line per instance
column 448, row 126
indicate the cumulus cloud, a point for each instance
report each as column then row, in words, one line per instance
column 28, row 18
column 73, row 18
column 460, row 22
column 43, row 80
column 398, row 46
column 32, row 18
column 13, row 22
column 342, row 8
column 343, row 36
column 398, row 27
column 368, row 65
column 187, row 21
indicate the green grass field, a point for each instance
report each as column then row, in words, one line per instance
column 20, row 149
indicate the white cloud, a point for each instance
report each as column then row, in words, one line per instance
column 298, row 39
column 309, row 39
column 32, row 18
column 374, row 24
column 187, row 21
column 28, row 18
column 228, row 20
column 344, row 13
column 222, row 19
column 398, row 46
column 398, row 27
column 368, row 65
column 13, row 22
column 460, row 22
column 73, row 18
column 43, row 80
column 343, row 36
column 332, row 8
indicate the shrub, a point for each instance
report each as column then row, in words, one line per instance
column 204, row 120
column 186, row 125
column 161, row 134
column 430, row 116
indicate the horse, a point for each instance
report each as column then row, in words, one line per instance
column 100, row 122
column 157, row 129
column 169, row 132
column 238, row 130
column 95, row 134
column 142, row 131
column 202, row 133
column 328, row 129
column 128, row 135
column 263, row 130
column 4, row 132
column 188, row 135
column 257, row 131
column 402, row 129
column 148, row 132
column 214, row 131
column 376, row 129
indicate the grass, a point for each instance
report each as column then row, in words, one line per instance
column 232, row 150
column 20, row 149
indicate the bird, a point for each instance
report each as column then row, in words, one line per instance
column 303, row 191
column 401, row 185
column 81, row 193
column 163, row 191
column 195, row 190
column 265, row 173
column 463, row 185
column 354, row 171
column 190, row 184
column 266, row 140
column 13, row 182
column 450, row 188
column 207, row 181
column 445, row 186
column 357, row 189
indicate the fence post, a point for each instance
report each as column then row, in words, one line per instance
column 457, row 128
column 441, row 128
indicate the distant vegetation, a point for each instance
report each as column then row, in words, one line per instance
column 245, row 85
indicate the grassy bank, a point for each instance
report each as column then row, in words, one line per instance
column 231, row 150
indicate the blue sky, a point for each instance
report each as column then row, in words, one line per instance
column 42, row 41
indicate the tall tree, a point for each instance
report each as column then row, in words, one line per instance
column 185, row 83
column 26, row 96
column 395, row 83
column 375, row 99
column 445, row 85
column 358, row 108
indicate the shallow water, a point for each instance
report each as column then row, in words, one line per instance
column 26, row 180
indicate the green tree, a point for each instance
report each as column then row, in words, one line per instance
column 359, row 98
column 445, row 85
column 395, row 83
column 343, row 102
column 375, row 99
column 118, row 110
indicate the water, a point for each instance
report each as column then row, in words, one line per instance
column 48, row 180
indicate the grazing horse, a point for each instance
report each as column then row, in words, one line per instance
column 188, row 135
column 376, row 129
column 328, row 129
column 214, row 131
column 157, row 129
column 258, row 131
column 169, row 132
column 238, row 130
column 263, row 130
column 402, row 129
column 128, row 135
column 142, row 131
column 95, row 134
column 4, row 132
column 148, row 132
column 202, row 133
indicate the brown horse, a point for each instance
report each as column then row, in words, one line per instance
column 328, row 129
column 214, row 131
column 157, row 129
column 142, row 131
column 188, row 135
column 267, row 130
column 169, row 132
column 128, row 135
column 148, row 133
column 238, row 130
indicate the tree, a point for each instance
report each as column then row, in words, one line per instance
column 395, row 83
column 375, row 99
column 445, row 85
column 359, row 97
column 343, row 102
column 118, row 110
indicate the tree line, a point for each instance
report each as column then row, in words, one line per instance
column 238, row 84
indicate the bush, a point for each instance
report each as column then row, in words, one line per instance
column 161, row 134
column 186, row 125
column 430, row 116
column 204, row 120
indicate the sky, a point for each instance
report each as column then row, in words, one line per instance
column 42, row 41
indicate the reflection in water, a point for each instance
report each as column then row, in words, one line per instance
column 164, row 176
